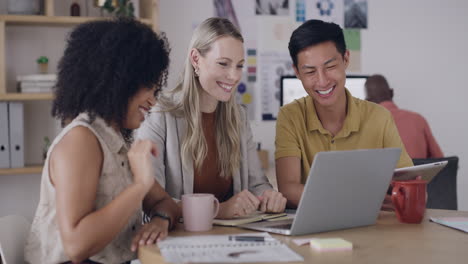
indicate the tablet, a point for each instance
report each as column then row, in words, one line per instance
column 426, row 171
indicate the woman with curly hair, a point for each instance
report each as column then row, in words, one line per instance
column 95, row 182
column 204, row 135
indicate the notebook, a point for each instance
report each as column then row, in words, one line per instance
column 220, row 249
column 258, row 216
column 459, row 223
column 344, row 189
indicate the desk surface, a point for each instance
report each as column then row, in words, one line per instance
column 388, row 241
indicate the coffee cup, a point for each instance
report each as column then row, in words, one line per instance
column 409, row 200
column 199, row 210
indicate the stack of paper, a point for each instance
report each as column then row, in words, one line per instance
column 36, row 83
column 219, row 249
column 460, row 223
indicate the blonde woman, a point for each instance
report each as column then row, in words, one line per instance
column 203, row 135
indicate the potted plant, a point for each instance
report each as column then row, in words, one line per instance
column 122, row 8
column 43, row 63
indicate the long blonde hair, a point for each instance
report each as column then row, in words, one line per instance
column 184, row 100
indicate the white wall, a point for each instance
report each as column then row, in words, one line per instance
column 419, row 45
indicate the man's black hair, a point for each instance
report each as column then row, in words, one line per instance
column 313, row 32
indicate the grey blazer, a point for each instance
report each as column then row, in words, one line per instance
column 168, row 131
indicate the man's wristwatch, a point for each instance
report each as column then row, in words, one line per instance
column 162, row 215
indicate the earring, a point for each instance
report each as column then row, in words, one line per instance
column 197, row 71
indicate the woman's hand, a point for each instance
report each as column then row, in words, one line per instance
column 272, row 202
column 139, row 157
column 241, row 204
column 150, row 233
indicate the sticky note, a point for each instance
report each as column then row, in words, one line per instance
column 251, row 61
column 330, row 244
column 352, row 39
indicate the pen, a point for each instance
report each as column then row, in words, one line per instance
column 248, row 238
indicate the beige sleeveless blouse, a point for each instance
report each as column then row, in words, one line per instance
column 44, row 244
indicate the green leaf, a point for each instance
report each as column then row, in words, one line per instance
column 42, row 59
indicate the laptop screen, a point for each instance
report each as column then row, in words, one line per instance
column 291, row 88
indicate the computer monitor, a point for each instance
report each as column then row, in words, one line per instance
column 355, row 85
column 291, row 88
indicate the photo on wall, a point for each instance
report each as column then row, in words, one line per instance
column 355, row 15
column 326, row 10
column 225, row 8
column 272, row 7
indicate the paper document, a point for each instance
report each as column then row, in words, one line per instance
column 460, row 223
column 219, row 249
column 247, row 219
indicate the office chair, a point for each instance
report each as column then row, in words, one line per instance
column 14, row 230
column 442, row 190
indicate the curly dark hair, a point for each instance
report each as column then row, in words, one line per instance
column 104, row 64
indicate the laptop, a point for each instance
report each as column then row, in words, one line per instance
column 344, row 189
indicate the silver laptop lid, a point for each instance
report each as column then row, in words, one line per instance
column 344, row 189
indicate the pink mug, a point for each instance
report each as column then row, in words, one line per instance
column 199, row 210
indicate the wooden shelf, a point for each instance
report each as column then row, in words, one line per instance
column 147, row 11
column 33, row 169
column 38, row 20
column 26, row 96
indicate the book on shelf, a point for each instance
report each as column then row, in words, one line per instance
column 37, row 84
column 256, row 217
column 35, row 90
column 37, row 77
column 29, row 87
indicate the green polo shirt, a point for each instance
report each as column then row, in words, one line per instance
column 299, row 132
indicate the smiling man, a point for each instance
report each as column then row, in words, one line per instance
column 329, row 118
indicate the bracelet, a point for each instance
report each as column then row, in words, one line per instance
column 162, row 215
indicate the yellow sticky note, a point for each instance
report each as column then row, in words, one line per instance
column 330, row 244
column 246, row 98
column 251, row 60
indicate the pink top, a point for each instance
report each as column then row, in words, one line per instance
column 414, row 132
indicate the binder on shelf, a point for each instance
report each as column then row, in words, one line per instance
column 16, row 125
column 4, row 136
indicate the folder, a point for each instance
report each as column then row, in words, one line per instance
column 4, row 137
column 256, row 217
column 16, row 122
